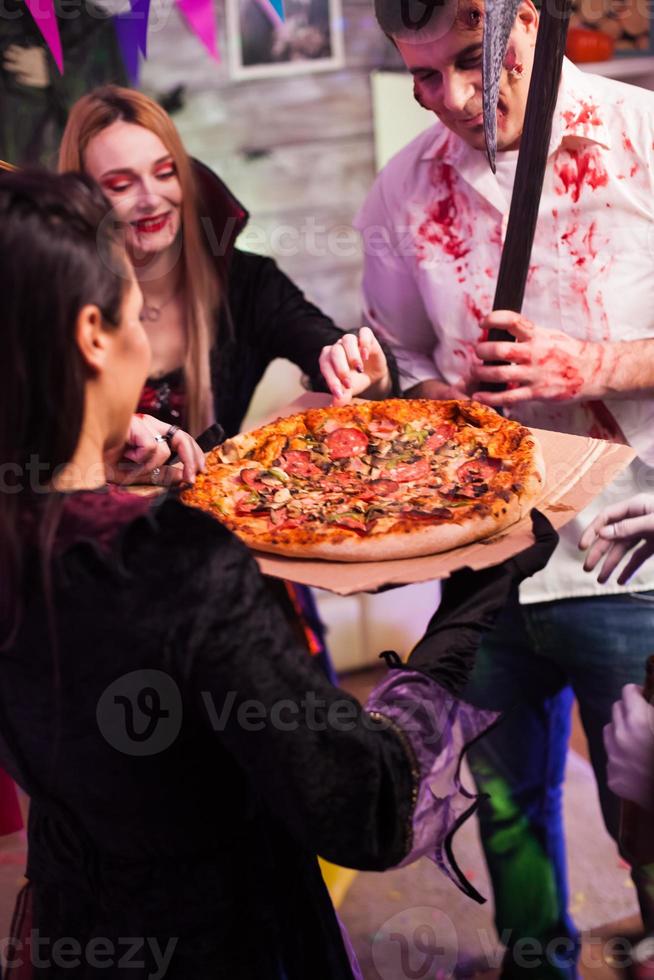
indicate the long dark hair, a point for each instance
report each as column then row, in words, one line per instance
column 57, row 255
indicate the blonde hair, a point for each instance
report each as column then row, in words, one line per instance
column 88, row 117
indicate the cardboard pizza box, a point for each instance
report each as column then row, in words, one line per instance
column 577, row 470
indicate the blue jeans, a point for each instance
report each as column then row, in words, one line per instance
column 536, row 660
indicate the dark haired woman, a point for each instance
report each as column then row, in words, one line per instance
column 181, row 756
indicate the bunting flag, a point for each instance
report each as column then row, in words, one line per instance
column 278, row 7
column 132, row 34
column 200, row 16
column 132, row 28
column 45, row 19
column 274, row 11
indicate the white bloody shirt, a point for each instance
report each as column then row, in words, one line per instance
column 433, row 227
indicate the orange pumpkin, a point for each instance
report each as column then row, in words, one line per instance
column 584, row 45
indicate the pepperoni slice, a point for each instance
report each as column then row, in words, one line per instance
column 442, row 435
column 384, row 488
column 351, row 524
column 297, row 462
column 478, row 470
column 292, row 522
column 383, row 428
column 251, row 477
column 344, row 443
column 406, row 472
column 243, row 509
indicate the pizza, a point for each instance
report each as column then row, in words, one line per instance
column 373, row 480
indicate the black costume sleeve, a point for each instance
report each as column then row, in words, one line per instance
column 340, row 781
column 471, row 602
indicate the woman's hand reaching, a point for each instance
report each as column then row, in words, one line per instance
column 355, row 365
column 149, row 444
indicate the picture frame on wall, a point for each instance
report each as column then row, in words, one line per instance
column 262, row 45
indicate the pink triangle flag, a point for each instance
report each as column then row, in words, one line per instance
column 45, row 19
column 201, row 19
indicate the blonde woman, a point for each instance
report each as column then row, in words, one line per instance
column 215, row 316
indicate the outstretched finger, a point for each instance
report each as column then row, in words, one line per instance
column 637, row 506
column 639, row 556
column 614, row 556
column 630, row 527
column 185, row 449
column 351, row 346
column 369, row 345
column 598, row 549
column 341, row 395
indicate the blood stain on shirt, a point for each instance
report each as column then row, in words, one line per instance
column 579, row 168
column 629, row 147
column 586, row 115
column 444, row 224
column 473, row 309
column 580, row 287
column 604, row 320
column 568, row 237
column 604, row 425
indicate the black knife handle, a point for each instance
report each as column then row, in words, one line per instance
column 532, row 161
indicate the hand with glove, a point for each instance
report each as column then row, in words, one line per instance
column 626, row 528
column 629, row 743
column 470, row 605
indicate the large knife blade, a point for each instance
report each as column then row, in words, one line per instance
column 499, row 17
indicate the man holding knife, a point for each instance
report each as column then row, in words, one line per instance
column 433, row 227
